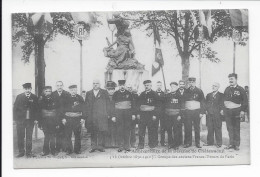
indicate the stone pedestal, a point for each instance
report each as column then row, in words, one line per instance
column 133, row 78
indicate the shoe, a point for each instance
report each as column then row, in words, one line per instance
column 92, row 150
column 140, row 147
column 101, row 150
column 20, row 155
column 187, row 146
column 207, row 144
column 175, row 147
column 229, row 147
column 127, row 150
column 236, row 148
column 218, row 146
column 77, row 152
column 68, row 152
column 119, row 150
column 29, row 155
column 45, row 154
column 198, row 146
column 163, row 144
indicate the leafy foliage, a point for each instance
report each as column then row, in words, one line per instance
column 180, row 26
column 23, row 30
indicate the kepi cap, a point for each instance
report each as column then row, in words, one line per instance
column 110, row 84
column 174, row 83
column 72, row 86
column 192, row 79
column 147, row 81
column 27, row 85
column 121, row 82
column 232, row 75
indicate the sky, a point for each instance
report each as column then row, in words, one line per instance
column 62, row 57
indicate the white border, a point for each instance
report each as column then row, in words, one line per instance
column 11, row 6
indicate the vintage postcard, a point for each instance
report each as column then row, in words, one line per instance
column 130, row 88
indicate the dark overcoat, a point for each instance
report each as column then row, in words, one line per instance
column 98, row 110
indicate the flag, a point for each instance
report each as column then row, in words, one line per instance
column 194, row 20
column 158, row 63
column 206, row 20
column 239, row 17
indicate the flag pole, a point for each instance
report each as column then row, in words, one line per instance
column 234, row 58
column 163, row 79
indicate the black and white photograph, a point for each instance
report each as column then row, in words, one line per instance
column 130, row 88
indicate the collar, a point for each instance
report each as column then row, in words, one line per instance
column 28, row 96
column 122, row 91
column 233, row 86
column 192, row 88
column 173, row 92
column 148, row 91
column 73, row 96
column 158, row 91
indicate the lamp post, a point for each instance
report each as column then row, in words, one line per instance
column 80, row 34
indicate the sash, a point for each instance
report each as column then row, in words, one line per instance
column 73, row 114
column 172, row 112
column 146, row 108
column 48, row 113
column 231, row 105
column 123, row 105
column 192, row 105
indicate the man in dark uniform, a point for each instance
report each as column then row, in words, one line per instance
column 49, row 120
column 194, row 111
column 235, row 102
column 173, row 113
column 112, row 135
column 147, row 114
column 134, row 122
column 214, row 105
column 124, row 114
column 83, row 95
column 161, row 116
column 60, row 96
column 182, row 91
column 26, row 115
column 74, row 118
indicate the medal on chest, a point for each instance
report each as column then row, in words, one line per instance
column 174, row 101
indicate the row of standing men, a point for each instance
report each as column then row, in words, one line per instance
column 111, row 116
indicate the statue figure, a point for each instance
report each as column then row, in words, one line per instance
column 123, row 57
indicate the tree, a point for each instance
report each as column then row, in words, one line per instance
column 34, row 36
column 180, row 26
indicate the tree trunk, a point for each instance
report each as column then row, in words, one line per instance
column 39, row 64
column 185, row 62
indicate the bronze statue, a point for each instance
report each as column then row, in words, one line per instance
column 123, row 57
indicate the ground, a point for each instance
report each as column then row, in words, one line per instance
column 180, row 157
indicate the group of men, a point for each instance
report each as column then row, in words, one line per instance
column 60, row 113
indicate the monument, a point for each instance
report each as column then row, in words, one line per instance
column 122, row 62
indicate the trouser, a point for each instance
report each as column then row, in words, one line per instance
column 60, row 138
column 214, row 124
column 97, row 139
column 192, row 117
column 25, row 131
column 123, row 121
column 132, row 133
column 72, row 125
column 233, row 125
column 162, row 128
column 146, row 120
column 174, row 130
column 49, row 129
